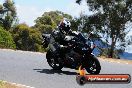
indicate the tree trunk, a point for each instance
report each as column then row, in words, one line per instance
column 111, row 50
column 111, row 53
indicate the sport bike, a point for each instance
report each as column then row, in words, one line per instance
column 78, row 52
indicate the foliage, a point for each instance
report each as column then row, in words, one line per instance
column 49, row 20
column 110, row 20
column 6, row 40
column 107, row 51
column 75, row 23
column 27, row 38
column 57, row 16
column 86, row 24
column 1, row 84
column 7, row 14
column 44, row 24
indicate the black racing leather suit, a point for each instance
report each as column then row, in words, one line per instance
column 57, row 39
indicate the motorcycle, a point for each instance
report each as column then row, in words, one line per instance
column 77, row 53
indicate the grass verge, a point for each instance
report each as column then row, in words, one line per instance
column 9, row 85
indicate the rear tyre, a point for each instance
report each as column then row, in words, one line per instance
column 52, row 61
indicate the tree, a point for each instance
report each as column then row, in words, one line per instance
column 86, row 23
column 111, row 19
column 8, row 14
column 27, row 38
column 44, row 24
column 49, row 20
column 6, row 40
column 57, row 16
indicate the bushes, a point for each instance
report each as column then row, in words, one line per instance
column 23, row 38
column 27, row 39
column 6, row 40
column 105, row 52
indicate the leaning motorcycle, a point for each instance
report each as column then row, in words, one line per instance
column 77, row 53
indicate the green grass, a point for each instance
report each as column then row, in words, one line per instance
column 1, row 84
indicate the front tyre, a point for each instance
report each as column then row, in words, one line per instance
column 52, row 61
column 93, row 66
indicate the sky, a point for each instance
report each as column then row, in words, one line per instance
column 29, row 10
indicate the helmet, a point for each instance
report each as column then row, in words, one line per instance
column 64, row 26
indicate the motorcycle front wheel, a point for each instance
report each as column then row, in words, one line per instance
column 93, row 65
column 53, row 62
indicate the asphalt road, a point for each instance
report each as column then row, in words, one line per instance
column 32, row 69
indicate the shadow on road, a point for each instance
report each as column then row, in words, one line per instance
column 51, row 71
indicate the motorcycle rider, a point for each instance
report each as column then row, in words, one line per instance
column 57, row 38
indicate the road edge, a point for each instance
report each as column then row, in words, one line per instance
column 122, row 61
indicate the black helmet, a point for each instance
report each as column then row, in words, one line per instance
column 65, row 25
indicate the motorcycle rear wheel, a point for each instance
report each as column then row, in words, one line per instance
column 53, row 62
